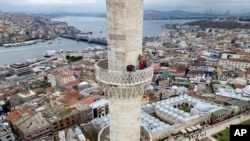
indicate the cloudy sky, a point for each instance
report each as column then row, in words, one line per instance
column 99, row 5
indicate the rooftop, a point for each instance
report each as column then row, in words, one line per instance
column 4, row 128
column 92, row 98
column 99, row 103
column 57, row 112
column 63, row 73
column 33, row 123
column 18, row 114
column 238, row 103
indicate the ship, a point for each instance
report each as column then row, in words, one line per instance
column 49, row 53
column 49, row 42
column 101, row 41
column 26, row 43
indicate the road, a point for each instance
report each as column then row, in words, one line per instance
column 70, row 135
column 216, row 128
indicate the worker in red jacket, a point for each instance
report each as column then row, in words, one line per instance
column 143, row 64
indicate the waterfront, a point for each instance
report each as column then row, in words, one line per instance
column 86, row 24
column 22, row 53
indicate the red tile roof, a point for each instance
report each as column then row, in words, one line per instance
column 71, row 84
column 239, row 86
column 62, row 73
column 90, row 99
column 70, row 98
column 16, row 115
column 50, row 90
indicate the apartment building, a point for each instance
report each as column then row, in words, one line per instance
column 61, row 78
column 237, row 63
column 26, row 96
column 5, row 132
column 61, row 117
column 20, row 68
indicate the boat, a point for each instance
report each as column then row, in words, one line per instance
column 49, row 42
column 26, row 43
column 101, row 41
column 49, row 53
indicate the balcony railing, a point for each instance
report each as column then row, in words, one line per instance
column 122, row 78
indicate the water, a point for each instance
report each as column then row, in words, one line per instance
column 22, row 53
column 99, row 29
column 86, row 24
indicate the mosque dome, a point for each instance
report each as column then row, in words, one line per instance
column 186, row 114
column 181, row 112
column 246, row 90
column 238, row 91
column 160, row 128
column 170, row 113
column 203, row 107
column 174, row 115
column 154, row 130
column 176, row 110
column 180, row 118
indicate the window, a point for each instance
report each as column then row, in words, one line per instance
column 8, row 136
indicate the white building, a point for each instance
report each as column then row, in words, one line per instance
column 5, row 132
column 237, row 63
column 26, row 96
column 100, row 107
column 61, row 77
column 61, row 135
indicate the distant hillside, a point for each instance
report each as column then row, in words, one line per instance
column 62, row 14
column 156, row 15
column 169, row 12
column 148, row 15
column 175, row 14
column 220, row 24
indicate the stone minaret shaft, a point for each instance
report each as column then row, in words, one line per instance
column 124, row 89
column 125, row 22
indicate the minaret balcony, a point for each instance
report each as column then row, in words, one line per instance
column 123, row 78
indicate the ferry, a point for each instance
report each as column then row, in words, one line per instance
column 49, row 42
column 49, row 53
column 19, row 44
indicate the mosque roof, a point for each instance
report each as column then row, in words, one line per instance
column 203, row 107
column 246, row 90
column 238, row 91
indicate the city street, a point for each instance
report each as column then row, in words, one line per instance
column 70, row 135
column 216, row 128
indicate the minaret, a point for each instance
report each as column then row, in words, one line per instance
column 124, row 87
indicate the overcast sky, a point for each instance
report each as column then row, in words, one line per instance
column 87, row 6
